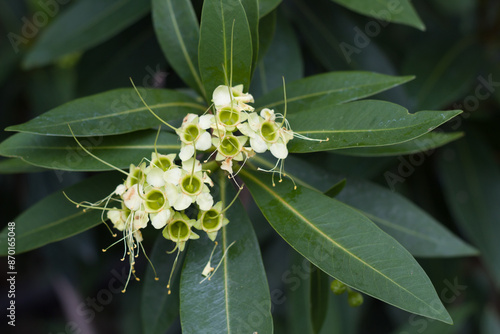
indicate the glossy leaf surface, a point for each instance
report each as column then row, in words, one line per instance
column 236, row 299
column 64, row 153
column 113, row 112
column 346, row 245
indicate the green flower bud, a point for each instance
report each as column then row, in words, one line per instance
column 338, row 287
column 354, row 298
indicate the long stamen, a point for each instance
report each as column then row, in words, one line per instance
column 220, row 262
column 151, row 263
column 192, row 169
column 93, row 156
column 208, row 268
column 284, row 97
column 173, row 269
column 232, row 202
column 151, row 111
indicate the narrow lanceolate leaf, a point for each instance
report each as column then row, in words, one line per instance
column 362, row 124
column 471, row 180
column 329, row 89
column 159, row 309
column 426, row 143
column 236, row 298
column 252, row 12
column 17, row 166
column 267, row 6
column 54, row 218
column 400, row 11
column 225, row 44
column 65, row 154
column 113, row 112
column 346, row 245
column 178, row 33
column 84, row 25
column 418, row 232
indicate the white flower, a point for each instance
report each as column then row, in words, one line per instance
column 160, row 219
column 179, row 230
column 211, row 221
column 132, row 197
column 193, row 136
column 223, row 96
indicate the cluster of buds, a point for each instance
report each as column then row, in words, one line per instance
column 159, row 190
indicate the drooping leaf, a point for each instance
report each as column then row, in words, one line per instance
column 346, row 245
column 225, row 44
column 329, row 89
column 417, row 231
column 84, row 25
column 54, row 218
column 361, row 124
column 17, row 166
column 236, row 299
column 159, row 309
column 471, row 180
column 283, row 60
column 266, row 6
column 178, row 33
column 113, row 112
column 65, row 154
column 426, row 143
column 400, row 11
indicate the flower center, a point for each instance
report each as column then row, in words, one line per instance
column 137, row 176
column 269, row 131
column 178, row 230
column 191, row 133
column 163, row 162
column 229, row 116
column 191, row 185
column 155, row 200
column 230, row 146
column 211, row 220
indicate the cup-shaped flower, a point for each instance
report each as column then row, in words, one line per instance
column 179, row 230
column 136, row 175
column 224, row 96
column 187, row 185
column 211, row 221
column 193, row 136
column 162, row 161
column 229, row 148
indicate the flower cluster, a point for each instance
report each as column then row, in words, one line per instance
column 160, row 190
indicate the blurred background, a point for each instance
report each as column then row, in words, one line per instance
column 69, row 286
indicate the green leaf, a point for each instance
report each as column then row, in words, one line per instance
column 329, row 89
column 471, row 180
column 218, row 39
column 416, row 230
column 252, row 12
column 236, row 299
column 413, row 228
column 361, row 124
column 336, row 188
column 113, row 112
column 159, row 309
column 84, row 25
column 178, row 33
column 54, row 218
column 319, row 286
column 346, row 245
column 284, row 60
column 400, row 11
column 426, row 143
column 267, row 6
column 64, row 153
column 17, row 166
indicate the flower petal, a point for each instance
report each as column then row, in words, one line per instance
column 182, row 202
column 204, row 142
column 160, row 219
column 155, row 177
column 187, row 151
column 206, row 121
column 279, row 150
column 205, row 201
column 258, row 144
column 173, row 176
column 221, row 96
